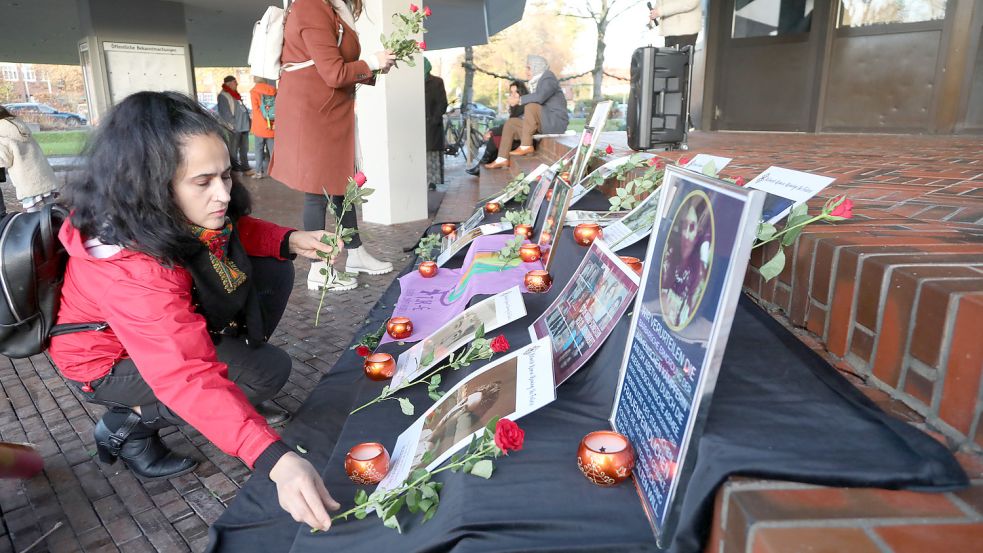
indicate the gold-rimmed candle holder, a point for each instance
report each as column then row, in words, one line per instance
column 367, row 463
column 493, row 207
column 585, row 233
column 633, row 262
column 523, row 231
column 538, row 281
column 399, row 327
column 428, row 269
column 530, row 252
column 380, row 366
column 447, row 228
column 605, row 458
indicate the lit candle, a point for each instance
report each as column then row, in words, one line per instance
column 605, row 458
column 585, row 233
column 448, row 228
column 428, row 269
column 538, row 281
column 529, row 252
column 379, row 366
column 367, row 463
column 493, row 207
column 399, row 327
column 523, row 231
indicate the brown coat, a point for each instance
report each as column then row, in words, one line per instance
column 315, row 106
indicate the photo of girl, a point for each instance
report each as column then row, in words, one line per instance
column 686, row 260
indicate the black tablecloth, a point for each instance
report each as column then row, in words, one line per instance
column 779, row 411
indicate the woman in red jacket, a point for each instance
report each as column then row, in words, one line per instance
column 162, row 249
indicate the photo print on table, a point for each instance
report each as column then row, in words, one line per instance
column 600, row 175
column 587, row 310
column 552, row 225
column 786, row 189
column 634, row 226
column 451, row 248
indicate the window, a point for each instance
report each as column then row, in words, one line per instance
column 29, row 75
column 862, row 13
column 9, row 72
column 771, row 17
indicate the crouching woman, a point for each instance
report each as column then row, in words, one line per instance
column 163, row 250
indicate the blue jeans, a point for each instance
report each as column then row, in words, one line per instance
column 263, row 148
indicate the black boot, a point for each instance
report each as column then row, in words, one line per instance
column 140, row 448
column 474, row 170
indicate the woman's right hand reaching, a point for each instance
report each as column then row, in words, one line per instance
column 386, row 60
column 301, row 491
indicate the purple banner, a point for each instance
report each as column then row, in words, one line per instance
column 431, row 302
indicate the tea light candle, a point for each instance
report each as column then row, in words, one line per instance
column 428, row 269
column 605, row 458
column 447, row 228
column 529, row 252
column 538, row 281
column 380, row 366
column 633, row 262
column 493, row 207
column 523, row 231
column 367, row 463
column 399, row 327
column 585, row 233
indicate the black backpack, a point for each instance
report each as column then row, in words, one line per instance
column 32, row 271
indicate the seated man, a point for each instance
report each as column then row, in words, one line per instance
column 545, row 112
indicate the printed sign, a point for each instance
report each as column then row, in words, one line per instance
column 553, row 223
column 786, row 189
column 707, row 164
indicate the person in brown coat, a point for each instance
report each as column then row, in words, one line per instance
column 315, row 151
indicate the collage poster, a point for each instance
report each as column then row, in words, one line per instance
column 587, row 310
column 681, row 321
column 510, row 387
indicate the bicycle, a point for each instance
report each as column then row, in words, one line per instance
column 465, row 133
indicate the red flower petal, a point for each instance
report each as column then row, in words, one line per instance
column 426, row 11
column 363, row 351
column 360, row 179
column 609, row 150
column 414, row 8
column 508, row 436
column 683, row 161
column 422, row 44
column 500, row 344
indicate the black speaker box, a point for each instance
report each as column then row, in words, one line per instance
column 658, row 101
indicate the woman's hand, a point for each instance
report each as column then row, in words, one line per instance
column 654, row 14
column 301, row 491
column 386, row 60
column 308, row 242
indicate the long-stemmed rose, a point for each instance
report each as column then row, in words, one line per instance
column 367, row 344
column 627, row 196
column 402, row 42
column 835, row 209
column 420, row 494
column 479, row 348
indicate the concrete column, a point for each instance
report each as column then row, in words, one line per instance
column 391, row 126
column 132, row 46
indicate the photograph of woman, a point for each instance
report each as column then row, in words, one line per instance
column 316, row 136
column 686, row 260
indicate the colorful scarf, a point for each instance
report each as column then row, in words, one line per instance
column 217, row 242
column 232, row 92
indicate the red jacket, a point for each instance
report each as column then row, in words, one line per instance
column 151, row 320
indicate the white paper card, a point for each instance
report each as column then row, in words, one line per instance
column 786, row 189
column 700, row 160
column 450, row 249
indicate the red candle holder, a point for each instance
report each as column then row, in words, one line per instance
column 538, row 281
column 367, row 463
column 605, row 458
column 380, row 366
column 428, row 269
column 585, row 233
column 530, row 252
column 523, row 231
column 493, row 207
column 633, row 262
column 447, row 228
column 399, row 327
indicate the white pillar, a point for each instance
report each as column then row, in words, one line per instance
column 391, row 126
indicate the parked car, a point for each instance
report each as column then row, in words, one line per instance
column 474, row 108
column 45, row 116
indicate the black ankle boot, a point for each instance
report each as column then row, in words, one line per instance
column 141, row 449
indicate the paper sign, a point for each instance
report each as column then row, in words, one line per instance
column 786, row 189
column 700, row 161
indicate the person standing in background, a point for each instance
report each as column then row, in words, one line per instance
column 435, row 99
column 263, row 100
column 26, row 166
column 680, row 20
column 316, row 120
column 234, row 114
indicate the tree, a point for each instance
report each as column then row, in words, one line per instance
column 602, row 13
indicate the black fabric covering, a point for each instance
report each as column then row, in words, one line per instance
column 779, row 411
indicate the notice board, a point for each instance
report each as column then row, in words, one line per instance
column 137, row 67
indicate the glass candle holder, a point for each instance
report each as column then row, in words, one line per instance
column 428, row 269
column 367, row 463
column 538, row 281
column 605, row 458
column 399, row 327
column 523, row 231
column 585, row 233
column 493, row 207
column 447, row 228
column 530, row 252
column 380, row 366
column 633, row 262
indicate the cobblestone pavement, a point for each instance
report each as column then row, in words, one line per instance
column 104, row 508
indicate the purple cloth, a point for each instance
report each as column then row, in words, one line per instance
column 431, row 302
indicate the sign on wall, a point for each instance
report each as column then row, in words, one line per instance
column 137, row 67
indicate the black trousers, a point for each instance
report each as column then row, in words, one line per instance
column 315, row 213
column 259, row 371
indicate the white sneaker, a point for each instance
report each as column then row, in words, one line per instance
column 339, row 282
column 361, row 261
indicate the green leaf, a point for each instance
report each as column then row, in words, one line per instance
column 393, row 509
column 429, row 493
column 406, row 406
column 430, row 513
column 427, row 457
column 435, row 395
column 468, row 466
column 418, row 474
column 774, row 266
column 799, row 210
column 615, row 203
column 410, row 62
column 360, row 514
column 391, row 522
column 480, row 333
column 361, row 497
column 492, row 424
column 789, row 237
column 427, row 359
column 766, row 231
column 413, row 498
column 710, row 169
column 483, row 468
column 435, row 380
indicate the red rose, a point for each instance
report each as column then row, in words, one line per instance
column 508, row 436
column 360, row 179
column 683, row 161
column 499, row 344
column 740, row 181
column 422, row 44
column 609, row 150
column 363, row 351
column 414, row 7
column 844, row 210
column 426, row 11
